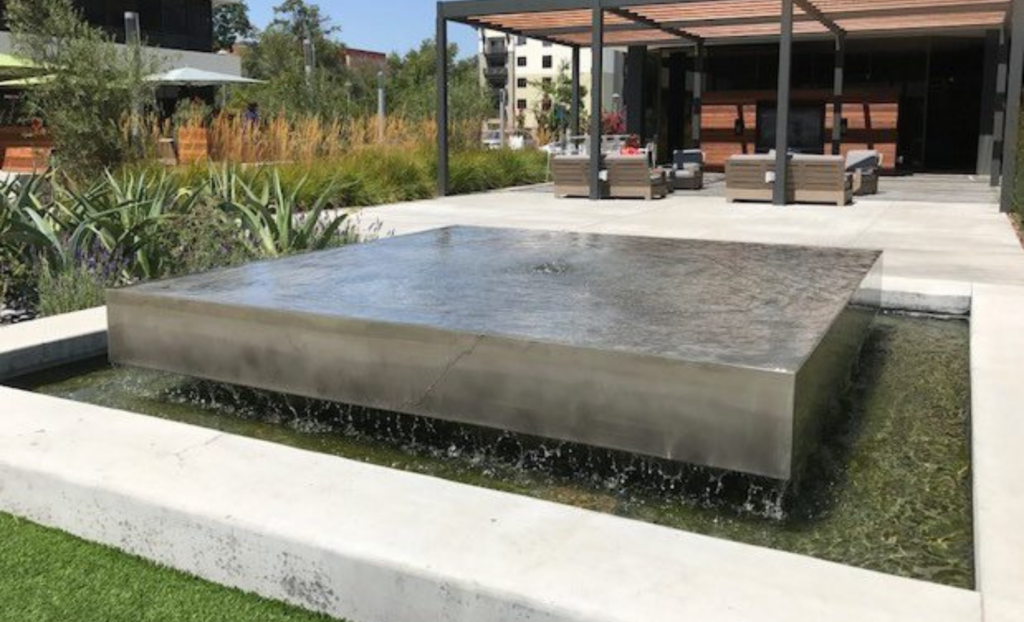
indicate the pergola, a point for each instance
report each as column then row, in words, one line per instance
column 701, row 23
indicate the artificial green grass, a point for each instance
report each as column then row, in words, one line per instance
column 47, row 575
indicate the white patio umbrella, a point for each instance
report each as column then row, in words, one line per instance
column 190, row 76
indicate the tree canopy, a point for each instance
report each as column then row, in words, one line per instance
column 231, row 24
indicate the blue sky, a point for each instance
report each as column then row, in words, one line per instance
column 381, row 25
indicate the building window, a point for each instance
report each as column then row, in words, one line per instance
column 546, row 80
column 521, row 83
column 521, row 61
column 546, row 104
column 521, row 104
column 547, row 62
column 520, row 40
column 547, row 44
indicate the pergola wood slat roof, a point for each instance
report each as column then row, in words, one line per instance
column 723, row 21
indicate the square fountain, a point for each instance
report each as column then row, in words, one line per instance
column 725, row 355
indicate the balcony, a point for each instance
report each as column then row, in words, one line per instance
column 496, row 51
column 497, row 77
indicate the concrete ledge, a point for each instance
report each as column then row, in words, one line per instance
column 371, row 544
column 997, row 370
column 50, row 342
column 926, row 296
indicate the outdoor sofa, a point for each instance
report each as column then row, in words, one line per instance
column 571, row 175
column 632, row 177
column 811, row 179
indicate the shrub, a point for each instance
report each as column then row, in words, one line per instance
column 201, row 238
column 80, row 284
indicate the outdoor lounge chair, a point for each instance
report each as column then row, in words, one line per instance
column 688, row 169
column 811, row 179
column 631, row 177
column 571, row 174
column 864, row 164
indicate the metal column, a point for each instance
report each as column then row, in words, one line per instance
column 1012, row 117
column 999, row 121
column 698, row 93
column 837, row 96
column 782, row 105
column 575, row 112
column 596, row 74
column 441, row 42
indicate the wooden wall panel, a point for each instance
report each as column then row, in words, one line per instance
column 872, row 122
column 193, row 145
column 23, row 150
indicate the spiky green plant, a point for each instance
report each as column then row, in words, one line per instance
column 277, row 223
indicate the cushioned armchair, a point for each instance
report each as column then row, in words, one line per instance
column 571, row 174
column 688, row 169
column 632, row 177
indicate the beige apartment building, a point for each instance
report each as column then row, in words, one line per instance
column 530, row 62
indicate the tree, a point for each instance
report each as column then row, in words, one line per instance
column 96, row 85
column 230, row 24
column 277, row 57
column 303, row 20
column 552, row 111
column 412, row 84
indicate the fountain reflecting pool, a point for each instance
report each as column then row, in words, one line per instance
column 719, row 354
column 887, row 489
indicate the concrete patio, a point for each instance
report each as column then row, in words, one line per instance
column 953, row 233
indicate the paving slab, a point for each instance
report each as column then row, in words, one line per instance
column 997, row 361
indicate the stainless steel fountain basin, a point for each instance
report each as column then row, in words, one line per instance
column 718, row 354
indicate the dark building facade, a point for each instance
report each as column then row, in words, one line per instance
column 916, row 100
column 173, row 24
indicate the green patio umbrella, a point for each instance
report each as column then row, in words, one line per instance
column 12, row 67
column 23, row 83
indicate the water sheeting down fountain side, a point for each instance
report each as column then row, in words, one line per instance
column 719, row 354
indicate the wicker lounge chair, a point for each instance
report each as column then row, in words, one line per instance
column 631, row 177
column 811, row 179
column 865, row 164
column 571, row 174
column 688, row 169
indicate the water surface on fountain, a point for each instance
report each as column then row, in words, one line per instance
column 888, row 490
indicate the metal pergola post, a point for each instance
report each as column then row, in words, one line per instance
column 999, row 114
column 837, row 96
column 782, row 105
column 441, row 43
column 596, row 75
column 698, row 92
column 575, row 112
column 1012, row 117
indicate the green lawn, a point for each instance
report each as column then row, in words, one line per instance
column 46, row 575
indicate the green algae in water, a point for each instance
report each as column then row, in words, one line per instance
column 889, row 489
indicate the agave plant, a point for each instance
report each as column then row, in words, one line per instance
column 125, row 215
column 30, row 224
column 275, row 222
